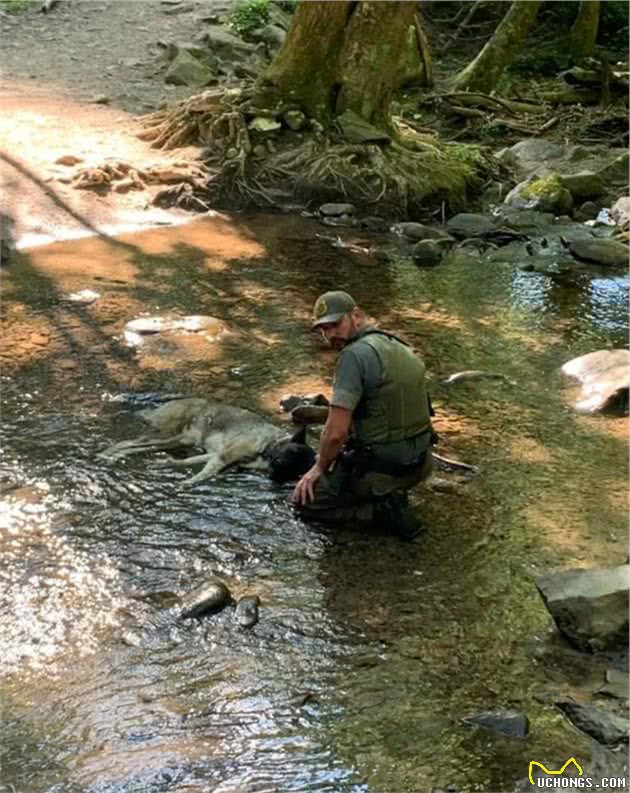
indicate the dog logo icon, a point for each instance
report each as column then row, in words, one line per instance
column 554, row 773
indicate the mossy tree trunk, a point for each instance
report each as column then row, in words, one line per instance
column 484, row 72
column 342, row 56
column 584, row 30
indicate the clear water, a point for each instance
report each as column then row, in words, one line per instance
column 368, row 652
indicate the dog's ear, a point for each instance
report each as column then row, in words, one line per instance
column 300, row 435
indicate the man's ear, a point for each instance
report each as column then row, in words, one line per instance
column 300, row 435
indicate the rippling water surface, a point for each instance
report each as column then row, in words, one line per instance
column 368, row 652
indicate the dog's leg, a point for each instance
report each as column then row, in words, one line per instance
column 142, row 444
column 183, row 463
column 213, row 465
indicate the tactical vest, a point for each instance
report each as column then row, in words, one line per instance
column 399, row 408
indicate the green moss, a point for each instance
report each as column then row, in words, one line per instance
column 544, row 187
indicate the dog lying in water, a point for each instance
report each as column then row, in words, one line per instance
column 230, row 437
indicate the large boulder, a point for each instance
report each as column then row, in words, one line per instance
column 601, row 251
column 605, row 379
column 469, row 224
column 543, row 193
column 590, row 607
column 584, row 184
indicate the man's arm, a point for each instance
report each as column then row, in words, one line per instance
column 334, row 435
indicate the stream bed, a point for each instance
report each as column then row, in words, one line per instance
column 368, row 652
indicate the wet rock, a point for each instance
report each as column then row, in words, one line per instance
column 587, row 211
column 601, row 251
column 356, row 130
column 620, row 212
column 606, row 728
column 101, row 99
column 547, row 265
column 336, row 210
column 209, row 597
column 247, row 611
column 468, row 224
column 542, row 194
column 264, row 125
column 294, row 119
column 584, row 184
column 605, row 378
column 589, row 607
column 506, row 722
column 418, row 231
column 426, row 253
column 617, row 684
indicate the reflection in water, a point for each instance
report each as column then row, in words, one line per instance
column 368, row 652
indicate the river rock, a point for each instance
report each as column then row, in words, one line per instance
column 587, row 211
column 590, row 607
column 506, row 722
column 584, row 184
column 606, row 728
column 620, row 212
column 357, row 130
column 247, row 611
column 601, row 251
column 426, row 253
column 187, row 70
column 469, row 224
column 418, row 231
column 544, row 194
column 209, row 597
column 605, row 379
column 525, row 221
column 336, row 210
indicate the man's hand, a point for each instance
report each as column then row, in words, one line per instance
column 304, row 491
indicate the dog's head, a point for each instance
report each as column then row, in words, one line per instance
column 289, row 459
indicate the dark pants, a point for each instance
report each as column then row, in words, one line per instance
column 346, row 494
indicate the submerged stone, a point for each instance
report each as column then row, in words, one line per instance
column 209, row 597
column 601, row 251
column 506, row 722
column 247, row 611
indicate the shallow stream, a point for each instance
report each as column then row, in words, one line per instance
column 368, row 652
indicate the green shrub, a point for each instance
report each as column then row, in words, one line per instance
column 248, row 15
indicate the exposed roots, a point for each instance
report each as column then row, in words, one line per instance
column 399, row 177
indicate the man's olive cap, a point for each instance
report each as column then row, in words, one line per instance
column 331, row 306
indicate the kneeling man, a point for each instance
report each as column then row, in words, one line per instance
column 376, row 443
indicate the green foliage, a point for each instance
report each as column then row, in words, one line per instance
column 15, row 6
column 249, row 15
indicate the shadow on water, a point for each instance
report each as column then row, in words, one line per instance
column 368, row 652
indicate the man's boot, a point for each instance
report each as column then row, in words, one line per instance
column 395, row 512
